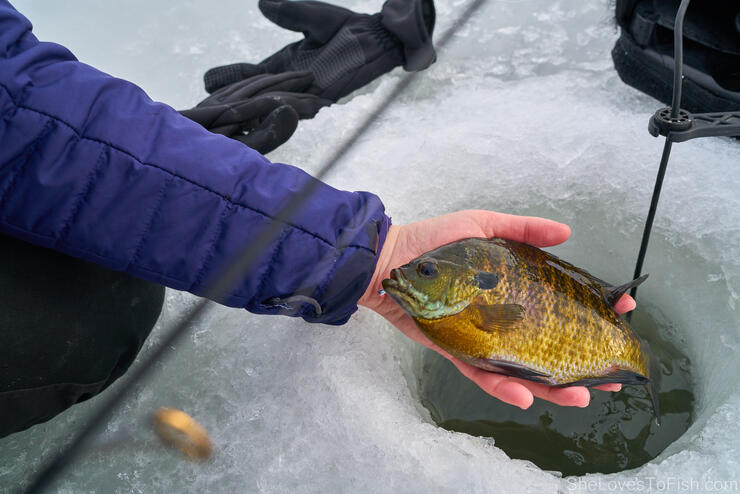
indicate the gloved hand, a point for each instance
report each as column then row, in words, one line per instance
column 261, row 111
column 342, row 49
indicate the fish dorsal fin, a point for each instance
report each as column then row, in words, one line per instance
column 613, row 293
column 495, row 317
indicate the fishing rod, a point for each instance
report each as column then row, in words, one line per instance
column 679, row 125
column 235, row 271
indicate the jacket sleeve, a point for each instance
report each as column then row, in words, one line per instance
column 91, row 167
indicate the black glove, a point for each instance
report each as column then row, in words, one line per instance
column 344, row 50
column 261, row 111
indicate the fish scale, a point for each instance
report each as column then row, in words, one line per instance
column 572, row 314
column 544, row 320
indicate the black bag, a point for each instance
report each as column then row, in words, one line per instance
column 643, row 54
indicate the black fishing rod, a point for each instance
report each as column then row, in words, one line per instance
column 679, row 125
column 236, row 270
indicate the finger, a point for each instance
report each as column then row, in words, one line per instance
column 306, row 105
column 243, row 115
column 609, row 387
column 571, row 396
column 211, row 118
column 204, row 116
column 539, row 232
column 273, row 131
column 508, row 391
column 502, row 387
column 317, row 20
column 221, row 76
column 625, row 304
column 295, row 81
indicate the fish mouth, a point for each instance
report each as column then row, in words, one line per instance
column 397, row 283
column 413, row 302
column 398, row 287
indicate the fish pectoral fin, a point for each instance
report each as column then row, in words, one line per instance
column 513, row 369
column 613, row 293
column 497, row 317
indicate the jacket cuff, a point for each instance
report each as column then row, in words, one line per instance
column 349, row 281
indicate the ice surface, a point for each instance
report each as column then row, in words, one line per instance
column 525, row 114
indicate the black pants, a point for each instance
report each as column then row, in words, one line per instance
column 68, row 329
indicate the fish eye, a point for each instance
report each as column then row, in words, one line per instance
column 427, row 269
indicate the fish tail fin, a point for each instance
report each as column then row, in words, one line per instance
column 613, row 293
column 652, row 389
column 653, row 386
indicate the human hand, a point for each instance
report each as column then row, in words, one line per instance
column 407, row 242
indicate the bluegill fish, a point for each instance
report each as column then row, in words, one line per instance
column 511, row 308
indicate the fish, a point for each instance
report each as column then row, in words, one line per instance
column 514, row 309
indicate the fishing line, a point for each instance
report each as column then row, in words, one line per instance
column 238, row 269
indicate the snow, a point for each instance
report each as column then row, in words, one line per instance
column 523, row 114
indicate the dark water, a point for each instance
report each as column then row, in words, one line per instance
column 615, row 432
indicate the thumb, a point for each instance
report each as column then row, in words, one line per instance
column 318, row 21
column 273, row 131
column 539, row 232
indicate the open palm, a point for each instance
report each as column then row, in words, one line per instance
column 408, row 242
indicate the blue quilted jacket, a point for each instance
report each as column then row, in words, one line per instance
column 90, row 166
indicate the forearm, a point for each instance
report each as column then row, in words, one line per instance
column 90, row 166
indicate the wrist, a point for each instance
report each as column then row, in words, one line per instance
column 383, row 267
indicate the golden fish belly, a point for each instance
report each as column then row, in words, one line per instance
column 567, row 349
